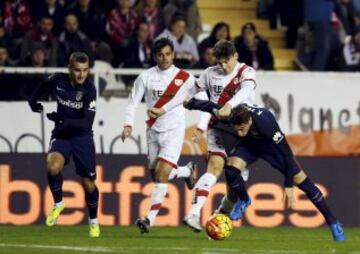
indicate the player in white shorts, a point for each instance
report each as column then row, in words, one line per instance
column 165, row 134
column 228, row 84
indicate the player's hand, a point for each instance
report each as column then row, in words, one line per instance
column 196, row 136
column 36, row 106
column 54, row 116
column 289, row 196
column 155, row 112
column 126, row 133
column 186, row 104
column 224, row 112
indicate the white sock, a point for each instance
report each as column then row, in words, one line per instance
column 93, row 221
column 202, row 189
column 179, row 172
column 156, row 199
column 59, row 204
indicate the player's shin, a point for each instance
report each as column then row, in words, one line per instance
column 316, row 197
column 55, row 184
column 92, row 200
column 156, row 199
column 202, row 189
column 236, row 182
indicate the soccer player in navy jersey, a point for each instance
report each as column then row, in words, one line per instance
column 259, row 136
column 72, row 135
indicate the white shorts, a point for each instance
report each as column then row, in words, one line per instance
column 215, row 142
column 165, row 145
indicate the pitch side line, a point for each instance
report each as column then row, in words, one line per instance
column 124, row 249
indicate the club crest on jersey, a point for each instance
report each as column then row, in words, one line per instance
column 236, row 80
column 79, row 95
column 178, row 82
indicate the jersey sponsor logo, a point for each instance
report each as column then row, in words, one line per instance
column 79, row 95
column 156, row 94
column 217, row 89
column 70, row 104
column 278, row 137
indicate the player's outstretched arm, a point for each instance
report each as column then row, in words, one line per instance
column 43, row 88
column 202, row 105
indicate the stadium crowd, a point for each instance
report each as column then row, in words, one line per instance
column 120, row 32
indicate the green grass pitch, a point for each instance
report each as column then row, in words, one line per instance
column 245, row 240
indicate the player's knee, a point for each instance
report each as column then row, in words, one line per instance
column 231, row 174
column 54, row 167
column 236, row 162
column 215, row 166
column 161, row 176
column 299, row 177
column 88, row 184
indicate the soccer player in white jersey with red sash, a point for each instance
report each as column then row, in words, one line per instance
column 165, row 134
column 229, row 83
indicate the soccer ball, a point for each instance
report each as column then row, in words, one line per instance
column 219, row 226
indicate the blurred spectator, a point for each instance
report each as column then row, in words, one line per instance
column 17, row 18
column 253, row 50
column 344, row 10
column 150, row 12
column 121, row 25
column 105, row 6
column 351, row 52
column 318, row 16
column 4, row 57
column 221, row 31
column 188, row 9
column 53, row 9
column 92, row 23
column 207, row 59
column 6, row 41
column 71, row 39
column 356, row 5
column 294, row 19
column 356, row 19
column 42, row 33
column 37, row 57
column 185, row 48
column 139, row 52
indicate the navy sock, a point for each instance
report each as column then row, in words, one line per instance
column 92, row 199
column 316, row 197
column 236, row 182
column 55, row 184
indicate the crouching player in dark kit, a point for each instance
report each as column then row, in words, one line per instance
column 72, row 135
column 259, row 136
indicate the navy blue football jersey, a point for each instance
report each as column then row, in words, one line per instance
column 76, row 104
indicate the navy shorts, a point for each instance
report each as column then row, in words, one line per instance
column 82, row 149
column 266, row 151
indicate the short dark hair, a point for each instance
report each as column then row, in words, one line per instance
column 78, row 56
column 224, row 49
column 161, row 43
column 177, row 17
column 240, row 115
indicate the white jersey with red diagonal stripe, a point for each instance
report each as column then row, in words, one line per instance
column 152, row 83
column 214, row 80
